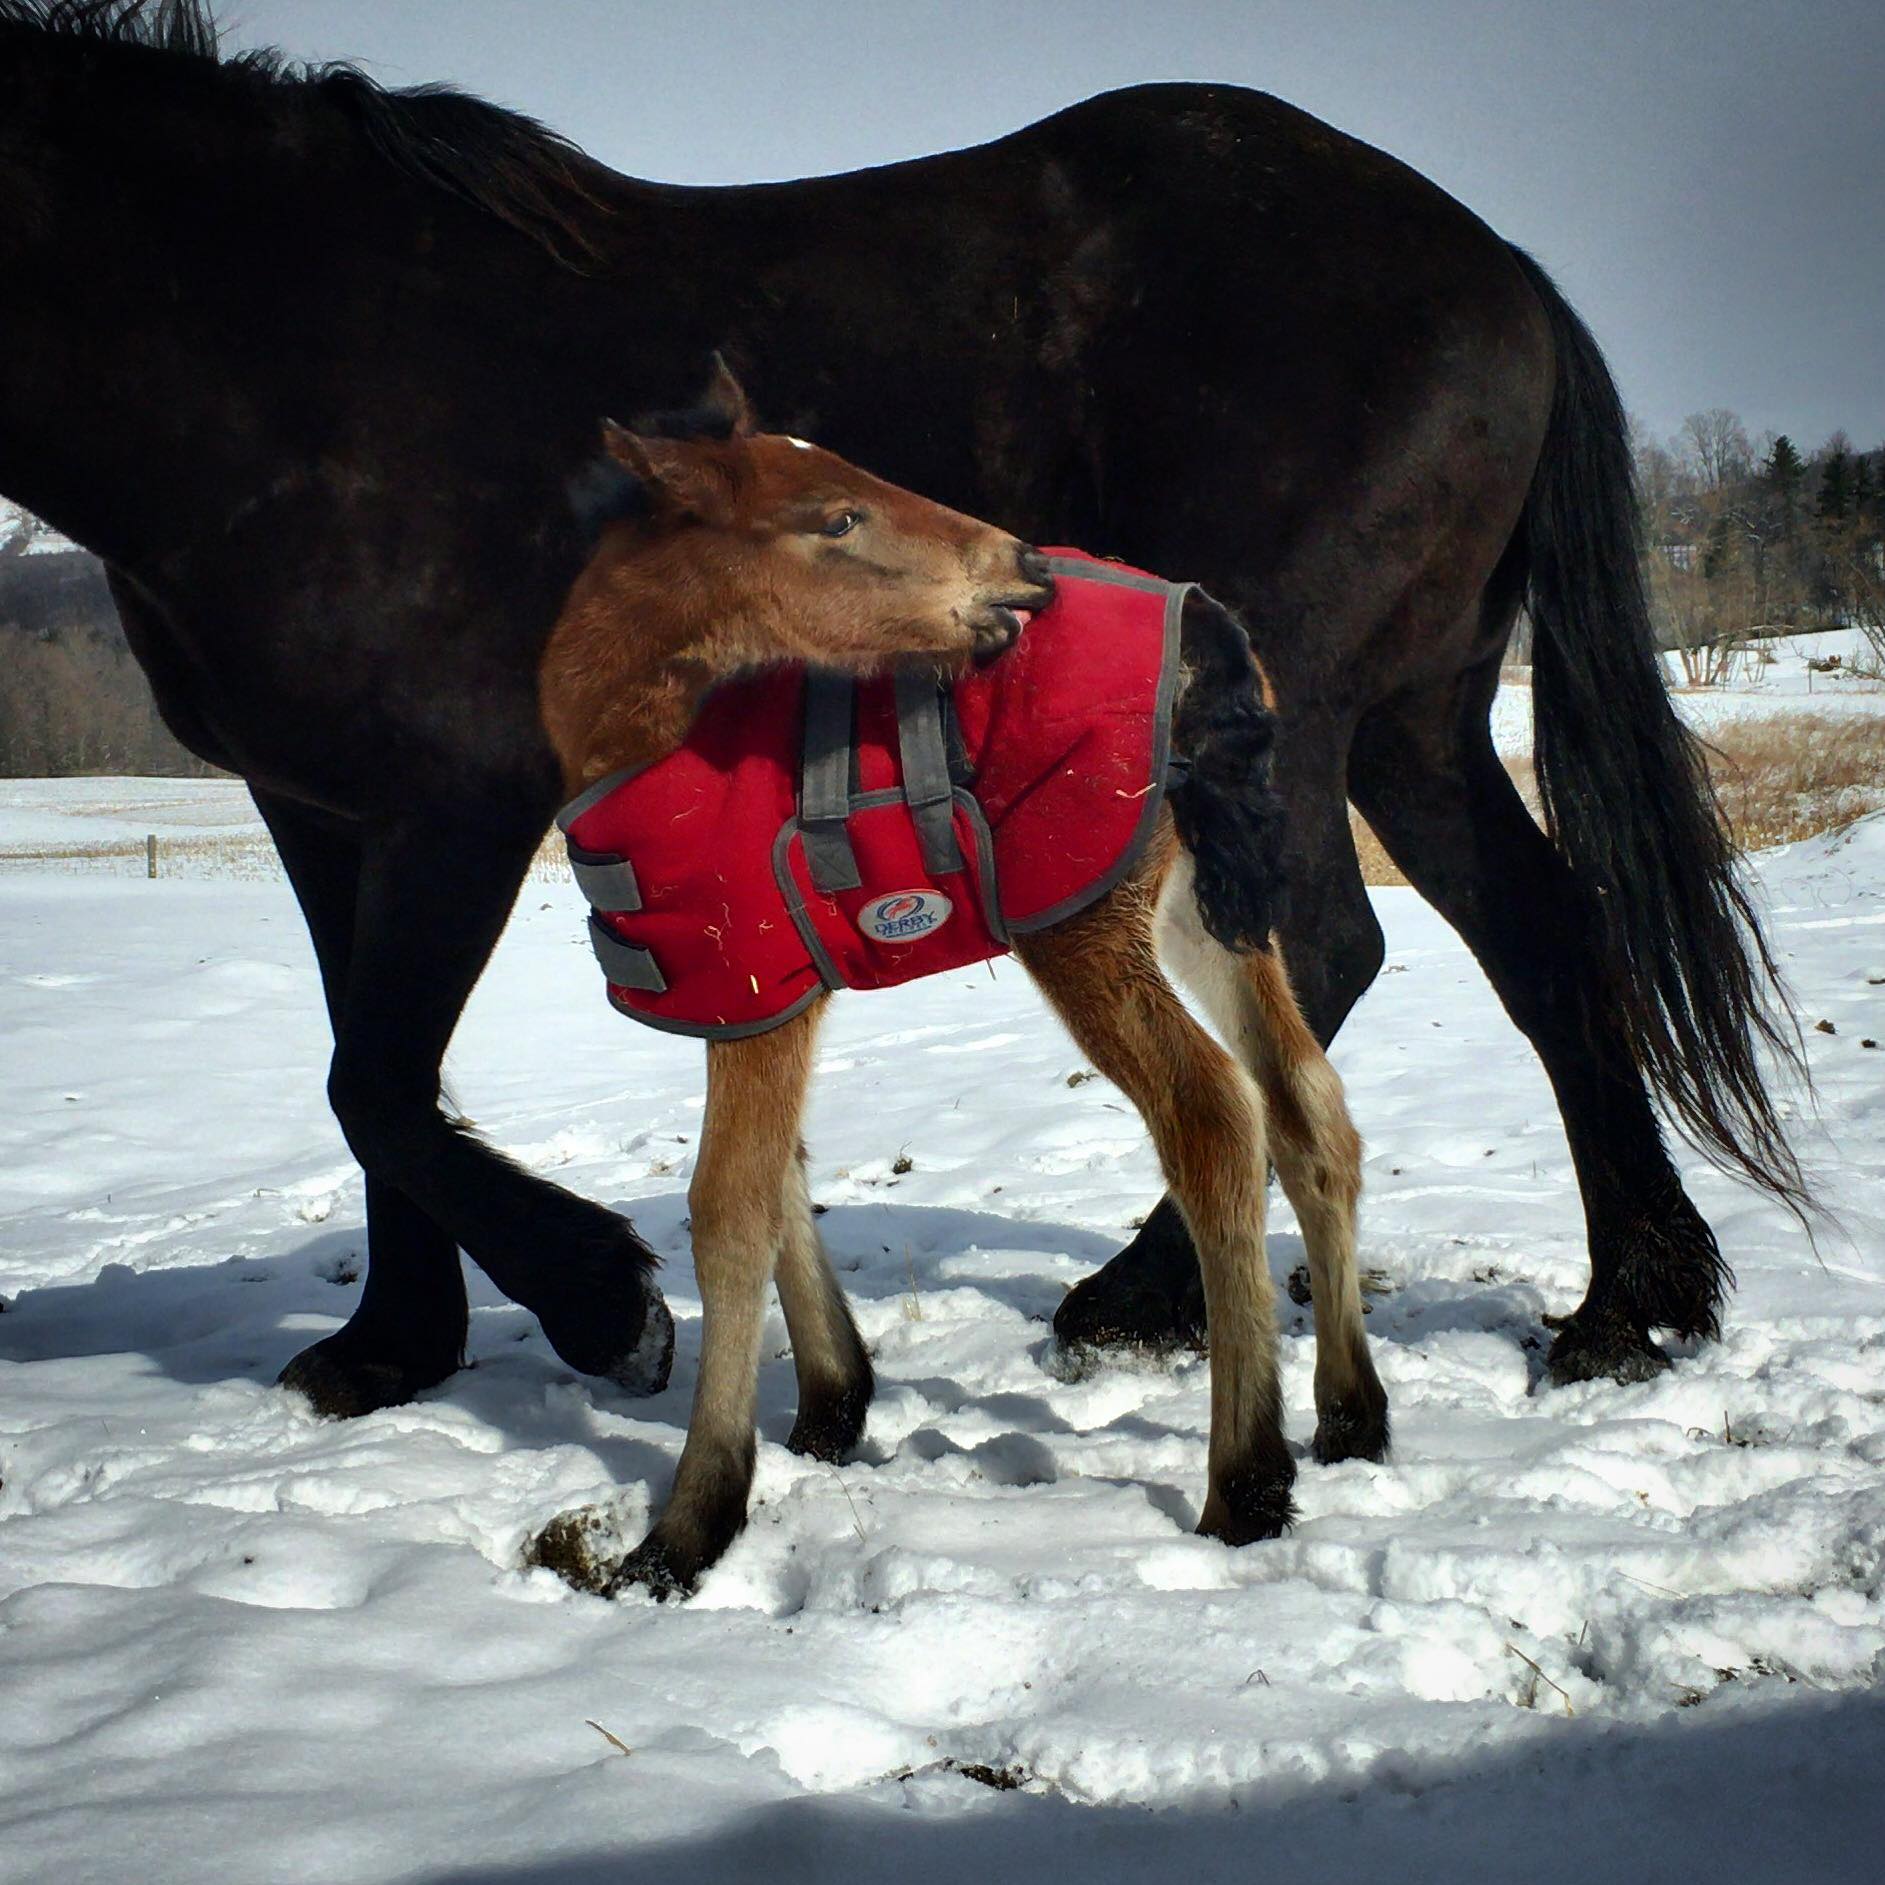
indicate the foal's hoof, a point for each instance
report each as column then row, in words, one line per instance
column 1353, row 1428
column 340, row 1381
column 829, row 1430
column 1599, row 1346
column 1249, row 1522
column 1252, row 1504
column 659, row 1570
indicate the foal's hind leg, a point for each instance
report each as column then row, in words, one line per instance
column 1427, row 779
column 1101, row 972
column 1317, row 1153
column 835, row 1380
column 1148, row 1296
column 755, row 1097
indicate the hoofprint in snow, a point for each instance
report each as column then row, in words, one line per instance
column 1637, row 1629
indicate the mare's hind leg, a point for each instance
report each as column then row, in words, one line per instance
column 407, row 1332
column 1426, row 777
column 1317, row 1153
column 1100, row 971
column 835, row 1380
column 748, row 1141
column 1148, row 1296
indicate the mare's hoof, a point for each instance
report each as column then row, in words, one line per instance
column 1129, row 1304
column 646, row 1366
column 620, row 1330
column 1665, row 1269
column 1594, row 1346
column 585, row 1548
column 340, row 1381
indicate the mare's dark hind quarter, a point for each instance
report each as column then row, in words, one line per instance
column 310, row 364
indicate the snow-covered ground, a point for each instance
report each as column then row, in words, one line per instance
column 12, row 519
column 1627, row 1632
column 1770, row 678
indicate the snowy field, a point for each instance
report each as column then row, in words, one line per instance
column 1635, row 1633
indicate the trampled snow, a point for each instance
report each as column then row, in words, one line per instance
column 1624, row 1631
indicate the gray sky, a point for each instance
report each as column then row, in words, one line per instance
column 1705, row 177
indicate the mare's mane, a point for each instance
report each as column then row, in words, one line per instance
column 503, row 162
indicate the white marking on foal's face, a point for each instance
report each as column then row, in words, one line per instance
column 804, row 445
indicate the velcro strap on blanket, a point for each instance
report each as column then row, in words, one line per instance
column 927, row 787
column 606, row 880
column 825, row 782
column 623, row 964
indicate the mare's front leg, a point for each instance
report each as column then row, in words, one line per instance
column 432, row 896
column 1100, row 971
column 407, row 1333
column 755, row 1097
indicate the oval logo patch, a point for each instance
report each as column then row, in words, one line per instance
column 904, row 916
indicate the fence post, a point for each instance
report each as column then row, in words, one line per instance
column 150, row 856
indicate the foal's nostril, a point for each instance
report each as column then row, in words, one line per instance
column 1032, row 564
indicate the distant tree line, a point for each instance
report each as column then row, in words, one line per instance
column 72, row 699
column 1741, row 537
column 1750, row 537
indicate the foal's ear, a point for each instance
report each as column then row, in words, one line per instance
column 672, row 480
column 630, row 449
column 726, row 398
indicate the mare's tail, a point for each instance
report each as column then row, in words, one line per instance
column 1626, row 794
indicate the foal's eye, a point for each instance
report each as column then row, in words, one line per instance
column 842, row 525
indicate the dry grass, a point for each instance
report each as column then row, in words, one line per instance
column 1779, row 780
column 240, row 854
column 1789, row 778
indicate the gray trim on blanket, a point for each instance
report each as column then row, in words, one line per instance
column 724, row 1030
column 1154, row 801
column 925, row 759
column 607, row 882
column 825, row 780
column 622, row 963
column 595, row 794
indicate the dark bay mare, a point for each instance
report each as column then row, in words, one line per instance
column 311, row 365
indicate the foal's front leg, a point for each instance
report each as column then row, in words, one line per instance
column 835, row 1378
column 755, row 1098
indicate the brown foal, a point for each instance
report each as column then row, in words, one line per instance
column 726, row 549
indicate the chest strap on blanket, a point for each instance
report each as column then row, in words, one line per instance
column 927, row 788
column 825, row 782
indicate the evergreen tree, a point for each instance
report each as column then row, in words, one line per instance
column 1865, row 490
column 1782, row 470
column 1835, row 503
column 1782, row 474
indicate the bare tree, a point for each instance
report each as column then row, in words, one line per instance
column 1716, row 443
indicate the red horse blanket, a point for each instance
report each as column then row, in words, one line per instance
column 814, row 833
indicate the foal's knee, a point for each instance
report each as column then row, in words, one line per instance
column 729, row 1226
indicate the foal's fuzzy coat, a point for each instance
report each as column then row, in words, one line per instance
column 720, row 548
